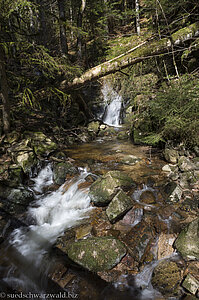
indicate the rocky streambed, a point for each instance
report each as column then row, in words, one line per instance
column 140, row 236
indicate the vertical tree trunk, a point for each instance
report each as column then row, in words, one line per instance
column 79, row 25
column 4, row 93
column 137, row 10
column 62, row 26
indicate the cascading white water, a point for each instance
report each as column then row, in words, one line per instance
column 113, row 110
column 53, row 214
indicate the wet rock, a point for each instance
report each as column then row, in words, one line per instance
column 97, row 254
column 165, row 245
column 61, row 170
column 166, row 278
column 15, row 200
column 130, row 160
column 187, row 243
column 185, row 164
column 138, row 240
column 191, row 284
column 83, row 232
column 171, row 155
column 119, row 205
column 148, row 197
column 173, row 191
column 104, row 189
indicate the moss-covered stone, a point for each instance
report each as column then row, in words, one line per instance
column 171, row 155
column 191, row 284
column 166, row 278
column 97, row 253
column 187, row 242
column 61, row 170
column 120, row 204
column 104, row 189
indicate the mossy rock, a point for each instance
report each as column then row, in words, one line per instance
column 187, row 243
column 61, row 170
column 166, row 278
column 120, row 204
column 104, row 189
column 26, row 160
column 97, row 253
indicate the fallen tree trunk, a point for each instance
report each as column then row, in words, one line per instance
column 148, row 50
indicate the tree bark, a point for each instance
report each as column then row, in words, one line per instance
column 137, row 11
column 62, row 27
column 148, row 50
column 79, row 25
column 4, row 93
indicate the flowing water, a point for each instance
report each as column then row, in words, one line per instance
column 26, row 259
column 112, row 112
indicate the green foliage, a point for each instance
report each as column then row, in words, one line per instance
column 173, row 113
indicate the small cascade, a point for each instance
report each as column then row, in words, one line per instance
column 52, row 213
column 112, row 114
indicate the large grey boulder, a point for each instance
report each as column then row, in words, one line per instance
column 120, row 204
column 97, row 253
column 105, row 188
column 187, row 243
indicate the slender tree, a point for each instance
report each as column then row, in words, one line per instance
column 79, row 26
column 62, row 26
column 4, row 92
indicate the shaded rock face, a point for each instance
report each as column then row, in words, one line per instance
column 61, row 170
column 138, row 240
column 173, row 191
column 166, row 278
column 187, row 242
column 104, row 189
column 185, row 164
column 97, row 253
column 120, row 204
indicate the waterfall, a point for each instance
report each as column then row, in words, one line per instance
column 53, row 213
column 114, row 104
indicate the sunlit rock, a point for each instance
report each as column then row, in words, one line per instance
column 97, row 254
column 187, row 242
column 104, row 189
column 119, row 205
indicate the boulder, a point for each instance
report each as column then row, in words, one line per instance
column 61, row 170
column 185, row 164
column 41, row 144
column 166, row 278
column 173, row 191
column 191, row 284
column 26, row 160
column 130, row 159
column 15, row 200
column 120, row 204
column 97, row 253
column 105, row 188
column 171, row 155
column 147, row 197
column 138, row 240
column 187, row 243
column 165, row 245
column 94, row 127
